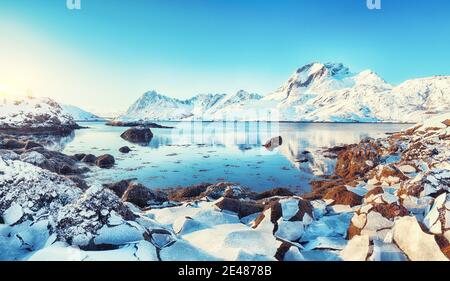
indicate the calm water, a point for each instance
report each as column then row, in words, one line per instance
column 196, row 152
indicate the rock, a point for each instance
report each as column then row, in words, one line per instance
column 143, row 197
column 289, row 230
column 31, row 144
column 140, row 135
column 375, row 223
column 89, row 158
column 147, row 124
column 80, row 183
column 273, row 143
column 124, row 149
column 13, row 214
column 225, row 189
column 240, row 207
column 357, row 159
column 446, row 122
column 386, row 252
column 65, row 170
column 188, row 193
column 105, row 161
column 79, row 156
column 8, row 154
column 119, row 187
column 341, row 196
column 390, row 211
column 13, row 144
column 415, row 243
column 273, row 192
column 85, row 222
column 407, row 169
column 357, row 249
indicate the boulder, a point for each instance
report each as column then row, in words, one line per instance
column 89, row 158
column 105, row 161
column 79, row 156
column 124, row 149
column 31, row 144
column 416, row 244
column 188, row 193
column 357, row 249
column 13, row 144
column 240, row 207
column 119, row 187
column 341, row 196
column 142, row 135
column 143, row 197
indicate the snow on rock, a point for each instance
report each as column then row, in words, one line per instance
column 357, row 249
column 34, row 114
column 13, row 214
column 415, row 243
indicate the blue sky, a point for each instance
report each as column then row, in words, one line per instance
column 107, row 54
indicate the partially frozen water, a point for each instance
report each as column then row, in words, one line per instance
column 197, row 152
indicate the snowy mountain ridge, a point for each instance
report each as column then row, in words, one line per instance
column 79, row 114
column 316, row 92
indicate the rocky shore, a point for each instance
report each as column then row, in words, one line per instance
column 387, row 200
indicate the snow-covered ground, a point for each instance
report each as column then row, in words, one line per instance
column 315, row 92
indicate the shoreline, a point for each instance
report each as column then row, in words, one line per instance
column 368, row 201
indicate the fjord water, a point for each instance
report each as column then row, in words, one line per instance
column 199, row 152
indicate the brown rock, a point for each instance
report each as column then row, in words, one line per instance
column 79, row 156
column 142, row 197
column 342, row 196
column 390, row 211
column 355, row 159
column 352, row 231
column 282, row 250
column 446, row 122
column 273, row 192
column 242, row 208
column 141, row 135
column 124, row 149
column 105, row 161
column 375, row 191
column 31, row 144
column 188, row 193
column 89, row 158
column 119, row 187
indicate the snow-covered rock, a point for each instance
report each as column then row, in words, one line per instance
column 416, row 244
column 34, row 114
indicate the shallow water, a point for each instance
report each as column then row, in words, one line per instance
column 196, row 152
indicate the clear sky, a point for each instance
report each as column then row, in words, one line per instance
column 107, row 54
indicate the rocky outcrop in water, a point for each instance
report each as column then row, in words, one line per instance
column 140, row 135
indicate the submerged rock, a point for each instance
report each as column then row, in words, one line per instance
column 141, row 135
column 124, row 149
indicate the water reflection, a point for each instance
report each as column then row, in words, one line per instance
column 195, row 152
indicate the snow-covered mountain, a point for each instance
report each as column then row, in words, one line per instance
column 315, row 92
column 29, row 114
column 79, row 114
